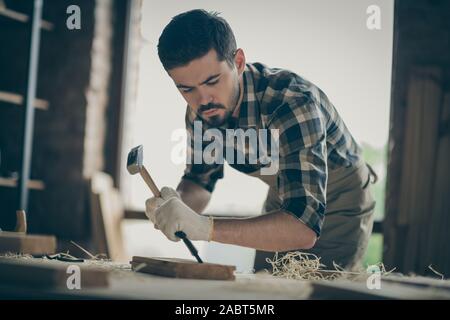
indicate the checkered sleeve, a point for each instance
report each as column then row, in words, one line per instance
column 203, row 174
column 302, row 174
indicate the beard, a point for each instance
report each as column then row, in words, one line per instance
column 215, row 120
column 219, row 120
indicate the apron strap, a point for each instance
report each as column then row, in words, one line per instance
column 372, row 175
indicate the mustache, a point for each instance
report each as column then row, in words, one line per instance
column 210, row 106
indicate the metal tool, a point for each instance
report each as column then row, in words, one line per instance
column 134, row 166
column 63, row 257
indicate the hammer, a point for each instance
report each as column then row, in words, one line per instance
column 134, row 166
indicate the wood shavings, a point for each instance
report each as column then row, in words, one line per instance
column 140, row 266
column 13, row 255
column 97, row 262
column 82, row 249
column 436, row 272
column 101, row 260
column 306, row 266
column 299, row 266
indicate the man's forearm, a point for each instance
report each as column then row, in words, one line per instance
column 196, row 197
column 276, row 232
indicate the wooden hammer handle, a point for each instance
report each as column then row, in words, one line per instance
column 180, row 234
column 149, row 181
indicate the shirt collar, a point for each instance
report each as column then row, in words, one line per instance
column 249, row 109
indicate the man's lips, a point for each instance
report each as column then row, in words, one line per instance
column 209, row 112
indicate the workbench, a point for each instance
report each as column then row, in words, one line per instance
column 127, row 284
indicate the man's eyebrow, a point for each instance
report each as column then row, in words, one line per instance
column 206, row 81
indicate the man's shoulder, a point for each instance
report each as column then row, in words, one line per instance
column 279, row 79
column 276, row 87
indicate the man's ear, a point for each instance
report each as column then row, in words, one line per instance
column 239, row 60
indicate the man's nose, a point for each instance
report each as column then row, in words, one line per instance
column 204, row 97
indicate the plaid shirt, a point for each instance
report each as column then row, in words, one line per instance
column 312, row 139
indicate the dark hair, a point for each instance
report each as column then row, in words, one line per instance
column 192, row 34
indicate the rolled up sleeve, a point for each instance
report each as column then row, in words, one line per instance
column 302, row 175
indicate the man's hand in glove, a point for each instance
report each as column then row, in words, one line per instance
column 170, row 214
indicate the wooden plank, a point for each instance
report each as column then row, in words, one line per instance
column 182, row 268
column 423, row 101
column 112, row 214
column 12, row 183
column 27, row 244
column 21, row 17
column 431, row 107
column 17, row 99
column 45, row 273
column 98, row 229
column 408, row 151
column 411, row 157
column 135, row 214
column 106, row 216
column 438, row 235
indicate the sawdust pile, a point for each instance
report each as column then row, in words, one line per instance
column 100, row 261
column 306, row 266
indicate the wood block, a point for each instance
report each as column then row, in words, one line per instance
column 16, row 242
column 45, row 273
column 182, row 268
column 106, row 217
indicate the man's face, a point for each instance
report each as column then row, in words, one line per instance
column 209, row 86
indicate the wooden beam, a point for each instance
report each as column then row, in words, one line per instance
column 17, row 242
column 17, row 99
column 12, row 183
column 21, row 17
column 48, row 274
column 135, row 214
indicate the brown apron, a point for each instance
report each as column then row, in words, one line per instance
column 348, row 217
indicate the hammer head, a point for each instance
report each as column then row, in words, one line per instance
column 135, row 158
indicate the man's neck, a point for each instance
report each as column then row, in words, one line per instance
column 241, row 95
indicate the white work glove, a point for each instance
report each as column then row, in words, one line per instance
column 170, row 214
column 153, row 203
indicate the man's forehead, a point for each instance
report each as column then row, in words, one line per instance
column 198, row 70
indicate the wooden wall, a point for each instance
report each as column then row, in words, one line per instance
column 418, row 190
column 80, row 74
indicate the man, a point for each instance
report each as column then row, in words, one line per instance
column 319, row 199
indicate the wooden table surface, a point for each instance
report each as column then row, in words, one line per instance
column 123, row 283
column 127, row 284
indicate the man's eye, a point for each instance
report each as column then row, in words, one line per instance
column 186, row 90
column 213, row 82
